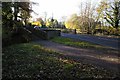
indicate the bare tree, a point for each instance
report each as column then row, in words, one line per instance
column 87, row 13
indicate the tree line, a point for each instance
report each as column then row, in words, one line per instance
column 91, row 17
column 105, row 16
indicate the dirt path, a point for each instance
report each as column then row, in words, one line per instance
column 107, row 61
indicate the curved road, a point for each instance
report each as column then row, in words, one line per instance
column 105, row 41
column 106, row 60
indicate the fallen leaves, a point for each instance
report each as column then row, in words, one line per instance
column 33, row 61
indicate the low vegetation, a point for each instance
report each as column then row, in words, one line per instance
column 76, row 43
column 85, row 45
column 29, row 60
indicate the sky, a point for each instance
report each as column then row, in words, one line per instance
column 57, row 8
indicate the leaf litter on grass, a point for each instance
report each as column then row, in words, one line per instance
column 29, row 60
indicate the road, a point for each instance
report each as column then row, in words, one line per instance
column 106, row 60
column 105, row 41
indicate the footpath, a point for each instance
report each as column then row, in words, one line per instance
column 93, row 57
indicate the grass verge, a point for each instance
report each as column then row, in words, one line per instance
column 83, row 44
column 29, row 60
column 76, row 43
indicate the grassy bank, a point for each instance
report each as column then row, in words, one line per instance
column 85, row 45
column 33, row 61
column 76, row 43
column 80, row 44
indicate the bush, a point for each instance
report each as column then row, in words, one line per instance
column 14, row 37
column 66, row 30
column 101, row 31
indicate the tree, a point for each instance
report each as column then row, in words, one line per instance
column 7, row 15
column 49, row 23
column 72, row 22
column 101, row 10
column 22, row 8
column 112, row 15
column 80, row 22
column 25, row 10
column 109, row 11
column 12, row 15
column 41, row 21
column 87, row 11
column 10, row 22
column 55, row 23
column 45, row 15
column 52, row 23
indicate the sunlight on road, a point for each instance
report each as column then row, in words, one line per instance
column 106, row 58
column 111, row 59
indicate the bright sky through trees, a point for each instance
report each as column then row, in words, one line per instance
column 58, row 8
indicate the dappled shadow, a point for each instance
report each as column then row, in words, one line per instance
column 98, row 58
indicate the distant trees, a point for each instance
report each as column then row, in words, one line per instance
column 78, row 22
column 92, row 17
column 49, row 23
column 52, row 23
column 55, row 23
column 73, row 22
column 84, row 21
column 41, row 21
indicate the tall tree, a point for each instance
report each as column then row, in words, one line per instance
column 109, row 11
column 25, row 10
column 101, row 10
column 11, row 11
column 112, row 14
column 87, row 11
column 22, row 8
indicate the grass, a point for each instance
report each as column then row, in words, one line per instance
column 32, row 61
column 82, row 44
column 76, row 43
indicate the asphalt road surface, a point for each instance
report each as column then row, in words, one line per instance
column 107, row 60
column 105, row 41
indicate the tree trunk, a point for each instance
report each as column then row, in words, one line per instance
column 15, row 11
